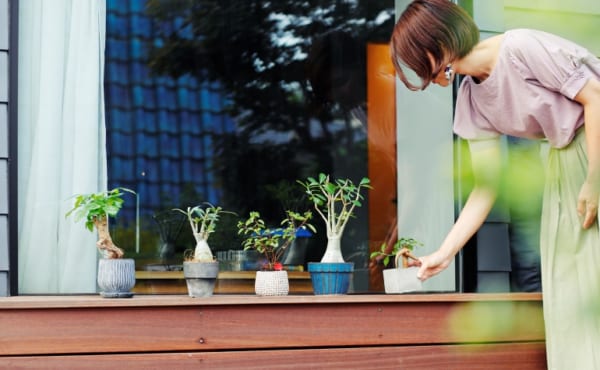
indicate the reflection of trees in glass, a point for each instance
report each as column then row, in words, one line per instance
column 256, row 52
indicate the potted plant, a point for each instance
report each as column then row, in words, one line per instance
column 334, row 201
column 401, row 278
column 200, row 269
column 272, row 279
column 116, row 275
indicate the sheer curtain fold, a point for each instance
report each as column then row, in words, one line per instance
column 61, row 140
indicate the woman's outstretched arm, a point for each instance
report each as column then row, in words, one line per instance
column 486, row 163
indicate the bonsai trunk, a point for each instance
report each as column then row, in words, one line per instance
column 202, row 251
column 333, row 253
column 405, row 254
column 105, row 242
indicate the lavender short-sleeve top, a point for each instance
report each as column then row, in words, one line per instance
column 529, row 92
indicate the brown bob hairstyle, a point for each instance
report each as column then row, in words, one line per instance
column 439, row 28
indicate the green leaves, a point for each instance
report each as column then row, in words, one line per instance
column 272, row 242
column 335, row 200
column 97, row 205
column 330, row 188
column 203, row 218
column 408, row 243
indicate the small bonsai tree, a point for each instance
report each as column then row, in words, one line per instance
column 403, row 247
column 272, row 242
column 203, row 220
column 96, row 208
column 335, row 202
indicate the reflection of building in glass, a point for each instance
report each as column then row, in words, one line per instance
column 159, row 129
column 241, row 142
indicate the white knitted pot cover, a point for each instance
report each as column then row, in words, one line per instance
column 271, row 283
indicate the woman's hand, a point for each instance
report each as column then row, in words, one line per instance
column 431, row 265
column 587, row 203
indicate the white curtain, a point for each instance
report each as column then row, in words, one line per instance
column 61, row 140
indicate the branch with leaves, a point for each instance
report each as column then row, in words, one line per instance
column 402, row 247
column 96, row 208
column 272, row 242
column 203, row 220
column 335, row 200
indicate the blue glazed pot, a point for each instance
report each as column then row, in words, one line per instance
column 330, row 277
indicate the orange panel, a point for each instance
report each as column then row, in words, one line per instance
column 381, row 110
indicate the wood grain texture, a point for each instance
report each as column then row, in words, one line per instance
column 94, row 300
column 87, row 325
column 514, row 356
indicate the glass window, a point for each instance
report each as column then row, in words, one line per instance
column 232, row 102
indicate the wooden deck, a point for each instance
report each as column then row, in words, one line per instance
column 425, row 331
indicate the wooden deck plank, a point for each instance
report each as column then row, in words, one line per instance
column 94, row 300
column 514, row 356
column 89, row 324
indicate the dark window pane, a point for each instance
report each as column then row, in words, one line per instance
column 218, row 102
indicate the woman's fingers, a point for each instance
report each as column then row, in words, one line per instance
column 425, row 272
column 431, row 265
column 414, row 263
column 590, row 217
column 587, row 204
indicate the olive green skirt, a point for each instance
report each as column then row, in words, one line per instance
column 570, row 264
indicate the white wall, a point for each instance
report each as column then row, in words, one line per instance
column 425, row 169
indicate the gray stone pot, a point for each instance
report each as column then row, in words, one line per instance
column 116, row 277
column 200, row 278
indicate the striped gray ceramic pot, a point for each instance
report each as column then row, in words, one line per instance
column 116, row 277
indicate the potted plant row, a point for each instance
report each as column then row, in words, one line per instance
column 272, row 279
column 116, row 275
column 335, row 201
